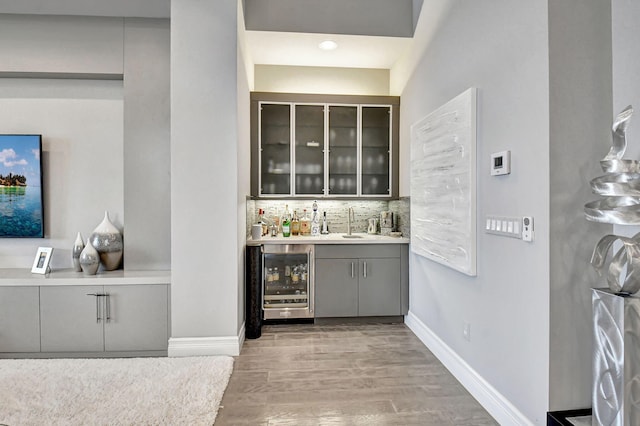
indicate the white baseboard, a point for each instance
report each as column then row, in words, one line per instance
column 206, row 346
column 493, row 401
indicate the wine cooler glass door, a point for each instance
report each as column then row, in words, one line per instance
column 288, row 282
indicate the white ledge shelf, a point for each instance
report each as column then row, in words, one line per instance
column 24, row 277
column 334, row 238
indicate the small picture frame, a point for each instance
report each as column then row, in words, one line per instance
column 41, row 262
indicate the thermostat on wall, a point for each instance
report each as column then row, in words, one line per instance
column 501, row 163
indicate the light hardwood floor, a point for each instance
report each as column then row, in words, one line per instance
column 355, row 374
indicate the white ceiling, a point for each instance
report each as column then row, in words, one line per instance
column 301, row 49
column 264, row 47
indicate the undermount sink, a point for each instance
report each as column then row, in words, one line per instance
column 352, row 236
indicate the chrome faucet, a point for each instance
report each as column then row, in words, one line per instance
column 350, row 217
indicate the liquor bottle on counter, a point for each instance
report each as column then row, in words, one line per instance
column 325, row 224
column 275, row 220
column 315, row 221
column 287, row 215
column 295, row 224
column 305, row 224
column 262, row 222
column 286, row 227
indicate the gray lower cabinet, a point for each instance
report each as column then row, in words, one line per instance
column 361, row 280
column 379, row 287
column 104, row 318
column 69, row 319
column 336, row 287
column 19, row 319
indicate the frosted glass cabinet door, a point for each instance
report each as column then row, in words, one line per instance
column 376, row 147
column 275, row 145
column 309, row 150
column 69, row 319
column 139, row 318
column 343, row 150
column 19, row 319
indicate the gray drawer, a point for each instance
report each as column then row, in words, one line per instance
column 341, row 251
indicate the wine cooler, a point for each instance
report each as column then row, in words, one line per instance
column 287, row 281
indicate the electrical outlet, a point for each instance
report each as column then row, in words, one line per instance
column 466, row 331
column 527, row 228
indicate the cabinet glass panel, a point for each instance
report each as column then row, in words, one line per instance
column 376, row 144
column 343, row 150
column 275, row 143
column 286, row 281
column 309, row 153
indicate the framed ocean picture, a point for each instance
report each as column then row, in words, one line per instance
column 21, row 206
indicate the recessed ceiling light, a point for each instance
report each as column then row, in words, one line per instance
column 328, row 45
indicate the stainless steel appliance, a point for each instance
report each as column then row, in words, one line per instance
column 287, row 281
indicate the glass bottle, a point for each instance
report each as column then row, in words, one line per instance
column 287, row 215
column 305, row 224
column 315, row 220
column 275, row 220
column 286, row 227
column 263, row 222
column 295, row 224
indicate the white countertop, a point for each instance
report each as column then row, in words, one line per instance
column 334, row 238
column 24, row 277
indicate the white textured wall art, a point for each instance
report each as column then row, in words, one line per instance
column 443, row 184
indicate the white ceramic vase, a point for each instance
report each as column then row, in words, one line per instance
column 107, row 240
column 89, row 259
column 78, row 245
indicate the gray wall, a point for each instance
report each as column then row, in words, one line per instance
column 393, row 18
column 61, row 44
column 244, row 166
column 544, row 81
column 81, row 125
column 106, row 142
column 147, row 118
column 503, row 51
column 626, row 69
column 204, row 169
column 580, row 123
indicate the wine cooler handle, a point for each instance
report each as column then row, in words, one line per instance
column 364, row 270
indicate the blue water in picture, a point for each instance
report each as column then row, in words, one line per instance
column 21, row 186
column 20, row 211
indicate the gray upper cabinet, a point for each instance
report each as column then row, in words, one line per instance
column 19, row 319
column 324, row 146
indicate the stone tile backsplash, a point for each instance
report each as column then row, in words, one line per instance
column 336, row 212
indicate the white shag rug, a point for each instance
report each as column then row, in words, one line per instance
column 122, row 391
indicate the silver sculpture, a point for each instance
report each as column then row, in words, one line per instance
column 616, row 325
column 620, row 187
column 616, row 361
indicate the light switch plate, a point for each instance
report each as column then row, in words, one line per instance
column 504, row 226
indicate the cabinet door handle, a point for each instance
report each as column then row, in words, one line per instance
column 97, row 296
column 364, row 270
column 108, row 300
column 352, row 271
